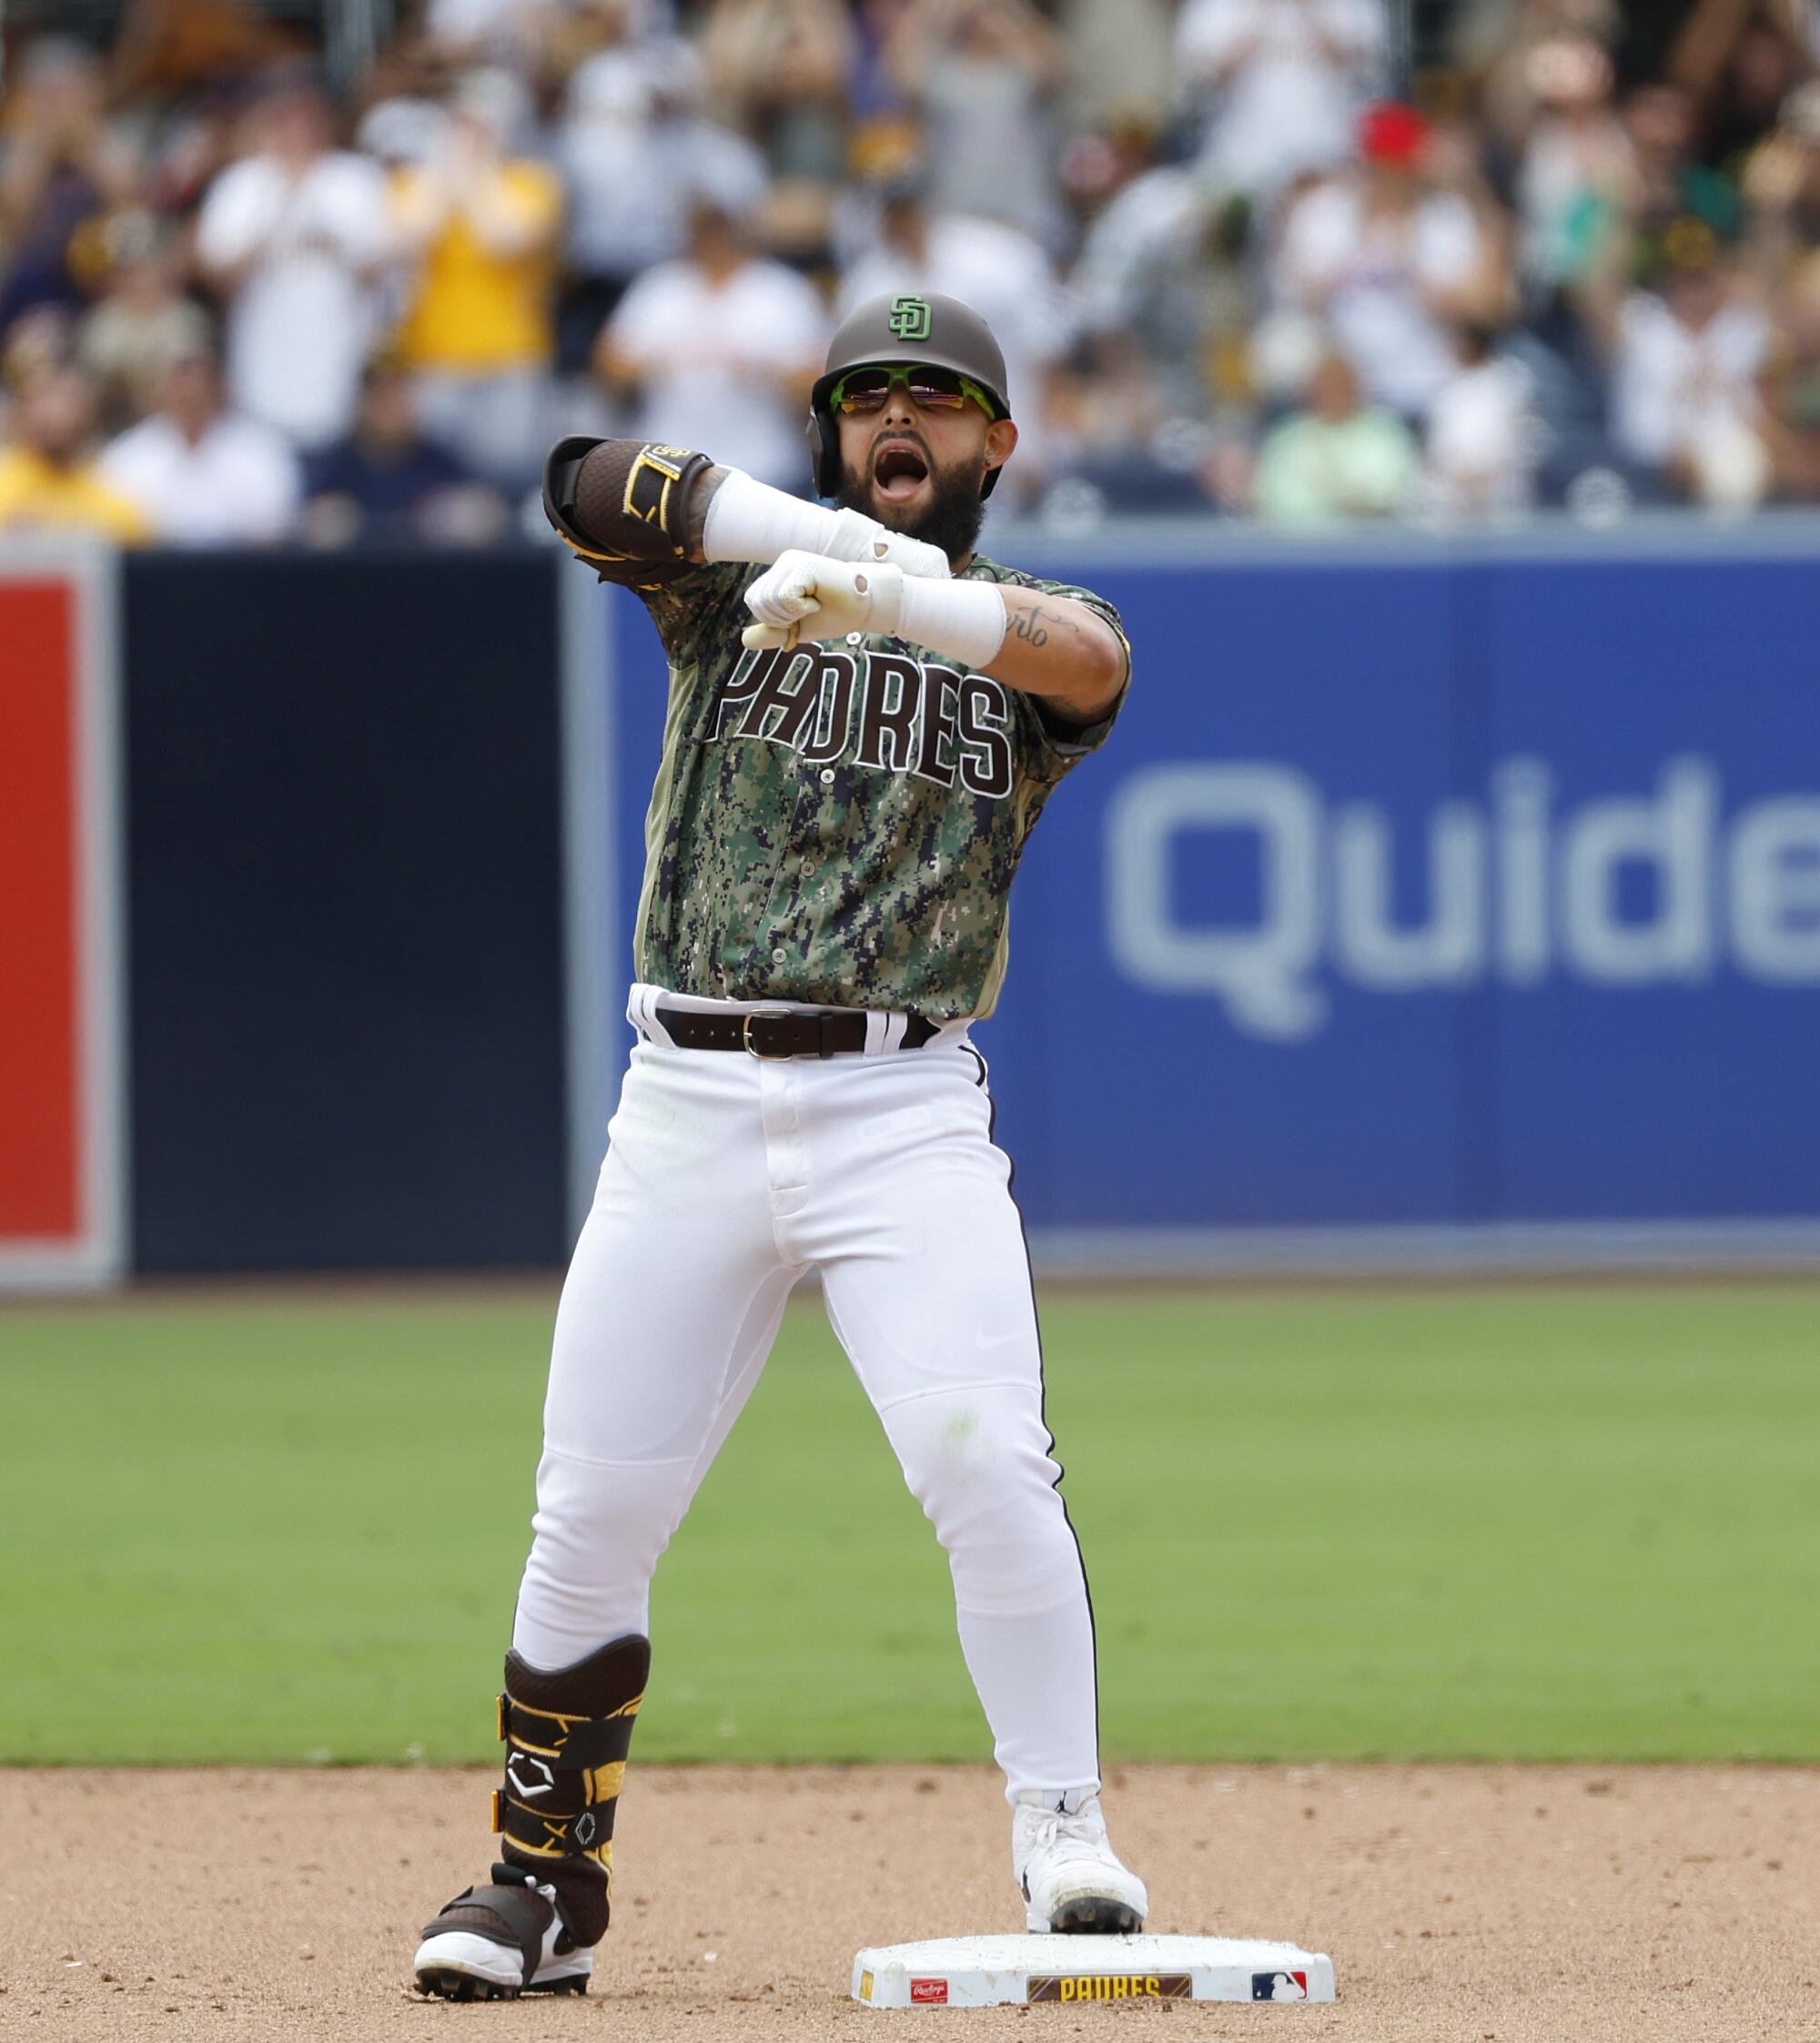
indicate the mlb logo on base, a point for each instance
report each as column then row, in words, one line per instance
column 1279, row 1985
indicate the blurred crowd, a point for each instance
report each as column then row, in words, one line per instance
column 1238, row 267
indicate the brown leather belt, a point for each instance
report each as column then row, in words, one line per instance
column 774, row 1032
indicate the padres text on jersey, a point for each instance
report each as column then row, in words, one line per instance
column 840, row 824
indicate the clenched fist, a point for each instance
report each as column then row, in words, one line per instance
column 806, row 596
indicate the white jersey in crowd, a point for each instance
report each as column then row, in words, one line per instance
column 1296, row 74
column 1482, row 442
column 462, row 23
column 632, row 170
column 300, row 319
column 1671, row 384
column 1367, row 276
column 717, row 359
column 990, row 146
column 238, row 484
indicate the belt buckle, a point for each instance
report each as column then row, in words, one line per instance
column 751, row 1049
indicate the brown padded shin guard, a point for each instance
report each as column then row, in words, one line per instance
column 567, row 1735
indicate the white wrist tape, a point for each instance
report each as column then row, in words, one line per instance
column 964, row 620
column 750, row 520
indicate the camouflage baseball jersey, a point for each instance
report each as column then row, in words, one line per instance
column 839, row 824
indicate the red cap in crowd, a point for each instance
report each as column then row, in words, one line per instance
column 1392, row 133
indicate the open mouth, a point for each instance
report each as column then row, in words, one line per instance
column 898, row 470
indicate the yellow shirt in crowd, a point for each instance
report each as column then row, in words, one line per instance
column 475, row 312
column 37, row 496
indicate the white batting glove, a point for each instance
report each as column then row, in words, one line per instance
column 807, row 596
column 857, row 537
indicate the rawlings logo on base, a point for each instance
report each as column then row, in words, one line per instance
column 1110, row 1986
column 928, row 1993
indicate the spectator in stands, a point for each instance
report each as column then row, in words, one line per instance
column 48, row 479
column 142, row 319
column 1337, row 460
column 41, row 340
column 63, row 168
column 1683, row 374
column 388, row 481
column 635, row 153
column 1576, row 180
column 777, row 70
column 1279, row 84
column 293, row 237
column 1165, row 287
column 172, row 58
column 403, row 132
column 1781, row 183
column 1481, row 448
column 458, row 34
column 874, row 94
column 1166, row 291
column 1791, row 387
column 192, row 133
column 718, row 350
column 984, row 76
column 1489, row 42
column 1391, row 254
column 1001, row 271
column 1738, row 60
column 202, row 476
column 1685, row 364
column 479, row 327
column 1671, row 185
column 1122, row 62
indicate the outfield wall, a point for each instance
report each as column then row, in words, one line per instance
column 343, row 833
column 1432, row 905
column 63, row 1163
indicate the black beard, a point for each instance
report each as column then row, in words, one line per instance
column 953, row 520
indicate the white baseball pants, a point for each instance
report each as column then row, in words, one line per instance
column 725, row 1179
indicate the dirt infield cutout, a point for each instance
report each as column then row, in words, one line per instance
column 1461, row 1904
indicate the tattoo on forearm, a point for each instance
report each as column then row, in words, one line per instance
column 1074, row 669
column 1030, row 624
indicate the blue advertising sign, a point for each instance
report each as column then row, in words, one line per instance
column 1415, row 888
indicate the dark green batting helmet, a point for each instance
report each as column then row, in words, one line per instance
column 912, row 326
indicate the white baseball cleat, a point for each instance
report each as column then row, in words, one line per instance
column 1070, row 1875
column 494, row 1943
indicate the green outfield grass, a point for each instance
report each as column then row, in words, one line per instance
column 1543, row 1523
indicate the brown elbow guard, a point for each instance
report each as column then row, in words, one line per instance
column 622, row 499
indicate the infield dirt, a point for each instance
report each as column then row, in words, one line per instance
column 1468, row 1903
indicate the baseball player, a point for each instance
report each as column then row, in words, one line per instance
column 866, row 718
